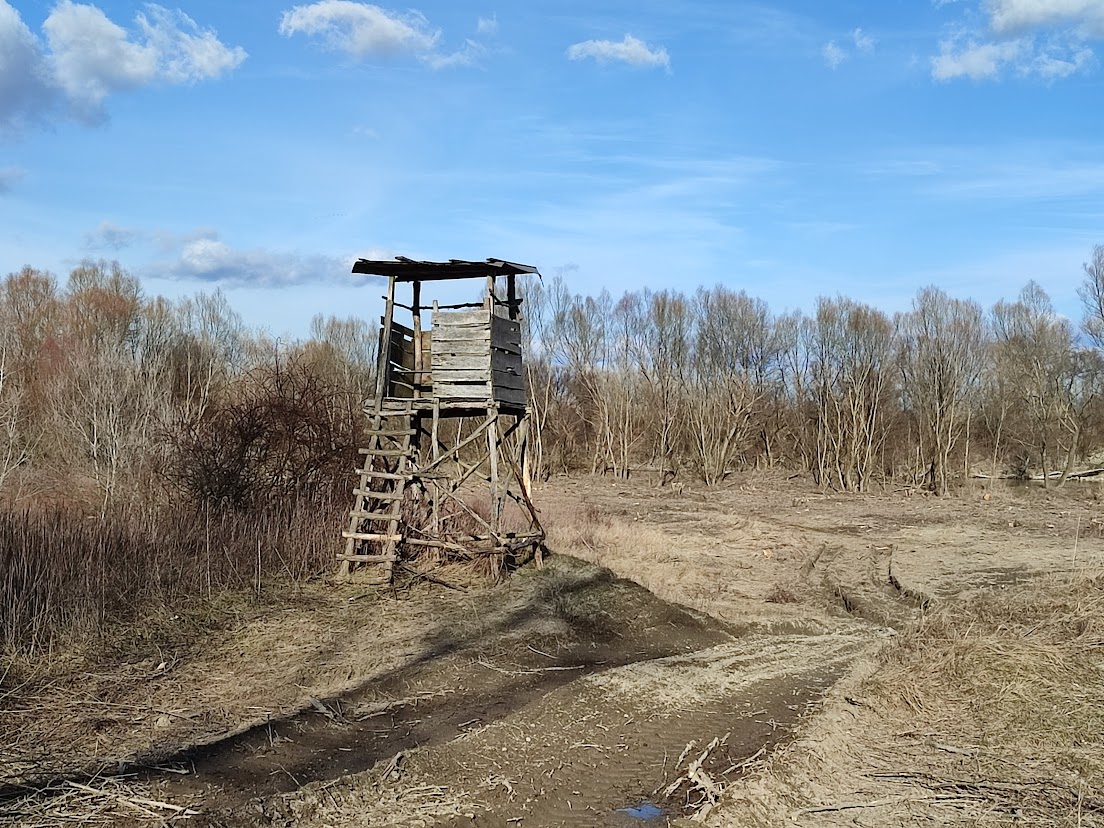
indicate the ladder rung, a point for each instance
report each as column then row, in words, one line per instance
column 382, row 475
column 389, row 433
column 373, row 515
column 371, row 536
column 368, row 558
column 386, row 452
column 379, row 495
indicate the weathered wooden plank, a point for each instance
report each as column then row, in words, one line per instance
column 506, row 379
column 505, row 361
column 398, row 328
column 462, row 332
column 504, row 325
column 510, row 395
column 381, row 496
column 451, row 386
column 371, row 536
column 378, row 475
column 471, row 362
column 456, row 375
column 502, row 360
column 462, row 317
column 506, row 340
column 372, row 515
column 473, row 346
column 368, row 558
column 463, row 391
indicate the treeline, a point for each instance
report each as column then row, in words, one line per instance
column 111, row 399
column 706, row 384
column 153, row 450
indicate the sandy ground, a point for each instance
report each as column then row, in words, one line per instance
column 562, row 697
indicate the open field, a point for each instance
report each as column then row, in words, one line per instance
column 758, row 653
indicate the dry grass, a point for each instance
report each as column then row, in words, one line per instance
column 989, row 712
column 1019, row 671
column 67, row 577
column 106, row 801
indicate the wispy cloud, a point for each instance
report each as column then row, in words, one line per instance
column 860, row 43
column 88, row 57
column 1016, row 173
column 1048, row 39
column 364, row 31
column 833, row 54
column 630, row 50
column 863, row 42
column 205, row 257
column 111, row 236
column 9, row 177
column 361, row 30
column 487, row 25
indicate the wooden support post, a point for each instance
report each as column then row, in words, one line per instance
column 436, row 442
column 513, row 307
column 418, row 377
column 383, row 364
column 526, row 480
column 493, row 437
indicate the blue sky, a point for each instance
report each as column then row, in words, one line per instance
column 791, row 149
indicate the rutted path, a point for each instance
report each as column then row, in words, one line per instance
column 599, row 703
column 577, row 751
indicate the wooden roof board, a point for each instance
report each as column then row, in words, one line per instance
column 402, row 269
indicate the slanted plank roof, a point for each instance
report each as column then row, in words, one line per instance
column 402, row 269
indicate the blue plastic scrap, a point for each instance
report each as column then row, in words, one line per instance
column 645, row 810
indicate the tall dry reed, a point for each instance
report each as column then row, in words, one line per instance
column 63, row 574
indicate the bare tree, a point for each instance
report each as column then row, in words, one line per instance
column 664, row 359
column 735, row 365
column 941, row 356
column 1039, row 364
column 1092, row 296
column 852, row 352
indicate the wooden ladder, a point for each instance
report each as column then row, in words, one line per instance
column 376, row 516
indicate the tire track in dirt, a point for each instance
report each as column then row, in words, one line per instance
column 590, row 749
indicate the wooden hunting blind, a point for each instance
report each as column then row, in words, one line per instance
column 448, row 435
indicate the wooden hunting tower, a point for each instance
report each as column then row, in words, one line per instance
column 447, row 451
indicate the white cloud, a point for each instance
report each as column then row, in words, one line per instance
column 93, row 57
column 487, row 25
column 833, row 54
column 989, row 60
column 361, row 30
column 469, row 55
column 1007, row 16
column 89, row 57
column 863, row 42
column 1047, row 39
column 10, row 176
column 977, row 61
column 629, row 50
column 1050, row 66
column 209, row 259
column 185, row 52
column 26, row 91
